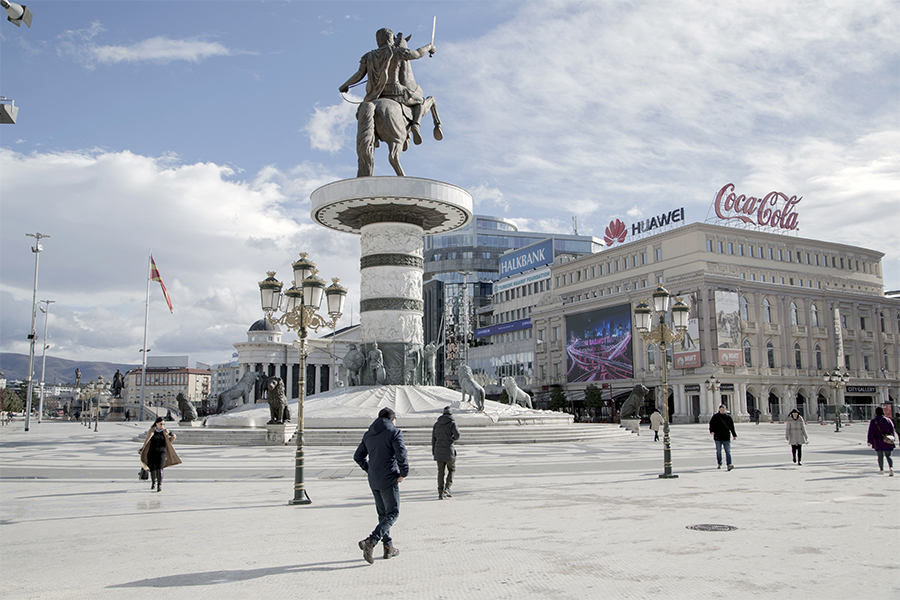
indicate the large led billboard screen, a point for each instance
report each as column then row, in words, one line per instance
column 598, row 345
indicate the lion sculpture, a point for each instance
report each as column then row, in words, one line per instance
column 278, row 405
column 515, row 394
column 470, row 388
column 241, row 390
column 188, row 412
column 631, row 409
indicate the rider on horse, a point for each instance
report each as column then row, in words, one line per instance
column 384, row 69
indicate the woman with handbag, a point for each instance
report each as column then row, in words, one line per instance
column 158, row 453
column 882, row 438
column 795, row 434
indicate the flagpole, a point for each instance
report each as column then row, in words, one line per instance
column 146, row 326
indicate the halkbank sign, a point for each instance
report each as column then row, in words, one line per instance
column 529, row 257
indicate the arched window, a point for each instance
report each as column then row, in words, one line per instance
column 795, row 314
column 651, row 356
column 747, row 354
column 818, row 357
column 815, row 315
column 745, row 309
column 770, row 354
column 767, row 310
column 798, row 357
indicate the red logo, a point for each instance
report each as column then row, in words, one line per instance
column 760, row 211
column 615, row 232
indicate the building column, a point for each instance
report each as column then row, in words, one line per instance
column 289, row 384
column 740, row 392
column 318, row 388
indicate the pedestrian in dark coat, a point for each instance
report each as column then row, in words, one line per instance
column 879, row 427
column 157, row 453
column 795, row 434
column 443, row 434
column 382, row 455
column 721, row 426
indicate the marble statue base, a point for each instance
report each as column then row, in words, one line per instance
column 632, row 425
column 415, row 406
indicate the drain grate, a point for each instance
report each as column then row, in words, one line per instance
column 712, row 527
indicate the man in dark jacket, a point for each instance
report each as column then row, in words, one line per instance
column 721, row 426
column 382, row 455
column 443, row 434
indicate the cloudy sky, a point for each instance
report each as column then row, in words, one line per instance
column 199, row 129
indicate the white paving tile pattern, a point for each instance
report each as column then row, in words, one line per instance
column 548, row 521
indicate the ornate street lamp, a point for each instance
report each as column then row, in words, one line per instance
column 713, row 385
column 837, row 380
column 300, row 314
column 662, row 335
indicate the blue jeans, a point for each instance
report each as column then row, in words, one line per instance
column 727, row 445
column 387, row 503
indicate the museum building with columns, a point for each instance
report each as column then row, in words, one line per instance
column 265, row 352
column 770, row 315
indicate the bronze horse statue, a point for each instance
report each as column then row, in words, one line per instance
column 387, row 120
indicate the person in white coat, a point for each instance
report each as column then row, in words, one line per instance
column 656, row 420
column 795, row 434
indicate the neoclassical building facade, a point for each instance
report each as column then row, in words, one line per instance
column 265, row 352
column 772, row 314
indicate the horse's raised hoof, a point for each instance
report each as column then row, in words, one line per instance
column 438, row 134
column 416, row 136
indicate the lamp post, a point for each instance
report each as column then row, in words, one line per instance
column 44, row 357
column 32, row 336
column 662, row 335
column 300, row 315
column 837, row 380
column 713, row 385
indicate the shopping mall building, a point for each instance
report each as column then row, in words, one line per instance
column 771, row 313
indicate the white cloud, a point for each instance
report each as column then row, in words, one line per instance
column 80, row 45
column 213, row 239
column 328, row 128
column 590, row 108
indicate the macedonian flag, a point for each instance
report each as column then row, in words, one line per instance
column 155, row 276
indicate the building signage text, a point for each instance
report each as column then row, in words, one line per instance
column 764, row 212
column 860, row 389
column 673, row 216
column 536, row 255
column 537, row 275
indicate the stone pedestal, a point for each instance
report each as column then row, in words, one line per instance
column 632, row 425
column 195, row 423
column 391, row 215
column 279, row 435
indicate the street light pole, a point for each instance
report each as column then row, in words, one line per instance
column 662, row 336
column 44, row 357
column 300, row 315
column 837, row 380
column 32, row 335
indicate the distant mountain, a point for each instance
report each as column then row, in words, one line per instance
column 59, row 370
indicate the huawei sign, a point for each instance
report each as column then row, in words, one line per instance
column 615, row 232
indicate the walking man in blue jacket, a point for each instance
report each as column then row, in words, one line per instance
column 382, row 455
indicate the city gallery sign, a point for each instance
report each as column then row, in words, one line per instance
column 773, row 210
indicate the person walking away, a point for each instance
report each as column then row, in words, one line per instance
column 443, row 435
column 382, row 455
column 795, row 434
column 882, row 438
column 157, row 453
column 721, row 426
column 656, row 420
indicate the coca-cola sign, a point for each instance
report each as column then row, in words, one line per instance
column 775, row 209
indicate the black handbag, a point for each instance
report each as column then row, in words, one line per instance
column 143, row 474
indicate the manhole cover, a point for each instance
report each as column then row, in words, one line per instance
column 712, row 527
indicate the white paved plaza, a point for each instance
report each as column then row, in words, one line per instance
column 548, row 521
